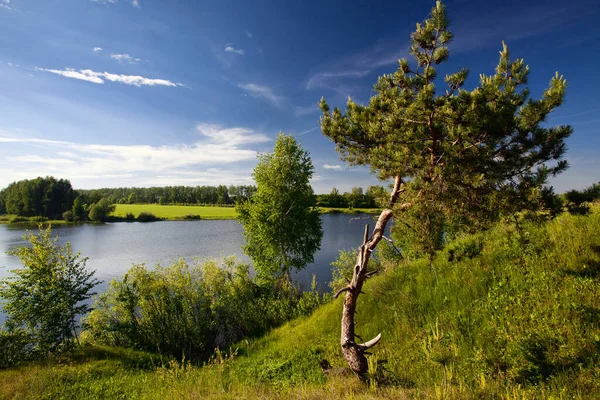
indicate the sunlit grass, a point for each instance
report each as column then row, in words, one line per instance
column 176, row 212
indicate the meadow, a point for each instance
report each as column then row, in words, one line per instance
column 176, row 212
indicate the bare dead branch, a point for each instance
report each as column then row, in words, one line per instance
column 371, row 273
column 342, row 290
column 370, row 343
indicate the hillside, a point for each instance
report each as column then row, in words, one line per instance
column 513, row 313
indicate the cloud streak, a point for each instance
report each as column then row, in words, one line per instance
column 333, row 167
column 134, row 3
column 100, row 77
column 216, row 147
column 125, row 58
column 259, row 91
column 231, row 49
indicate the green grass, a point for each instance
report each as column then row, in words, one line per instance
column 171, row 212
column 338, row 210
column 512, row 314
column 176, row 212
column 29, row 221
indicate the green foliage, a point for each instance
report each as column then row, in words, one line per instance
column 68, row 216
column 172, row 194
column 187, row 311
column 282, row 228
column 78, row 209
column 129, row 217
column 16, row 347
column 44, row 197
column 466, row 157
column 45, row 296
column 146, row 217
column 100, row 211
column 342, row 268
column 577, row 201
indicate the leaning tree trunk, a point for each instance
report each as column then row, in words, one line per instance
column 355, row 353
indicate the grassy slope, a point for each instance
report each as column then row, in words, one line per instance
column 517, row 318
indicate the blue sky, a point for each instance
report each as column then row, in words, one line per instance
column 111, row 93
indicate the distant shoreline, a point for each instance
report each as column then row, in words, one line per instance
column 168, row 213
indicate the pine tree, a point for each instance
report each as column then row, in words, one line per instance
column 458, row 158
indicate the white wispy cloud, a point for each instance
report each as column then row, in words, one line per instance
column 97, row 49
column 5, row 4
column 231, row 136
column 307, row 131
column 334, row 167
column 105, row 1
column 216, row 147
column 262, row 91
column 125, row 58
column 134, row 3
column 100, row 77
column 249, row 34
column 231, row 49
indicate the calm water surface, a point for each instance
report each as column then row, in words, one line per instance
column 113, row 248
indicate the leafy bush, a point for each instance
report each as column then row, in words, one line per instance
column 187, row 311
column 17, row 219
column 146, row 217
column 68, row 216
column 100, row 211
column 45, row 296
column 130, row 217
column 16, row 347
column 192, row 217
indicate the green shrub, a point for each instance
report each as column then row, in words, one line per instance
column 192, row 217
column 46, row 295
column 16, row 347
column 101, row 210
column 187, row 311
column 146, row 217
column 68, row 216
column 129, row 217
column 18, row 219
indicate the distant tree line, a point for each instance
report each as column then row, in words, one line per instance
column 44, row 197
column 215, row 195
column 356, row 198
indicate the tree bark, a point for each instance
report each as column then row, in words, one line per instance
column 355, row 353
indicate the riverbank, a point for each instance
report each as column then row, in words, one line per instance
column 131, row 212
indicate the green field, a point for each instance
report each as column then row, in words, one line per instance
column 209, row 212
column 176, row 212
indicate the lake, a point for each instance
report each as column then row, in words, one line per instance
column 112, row 248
